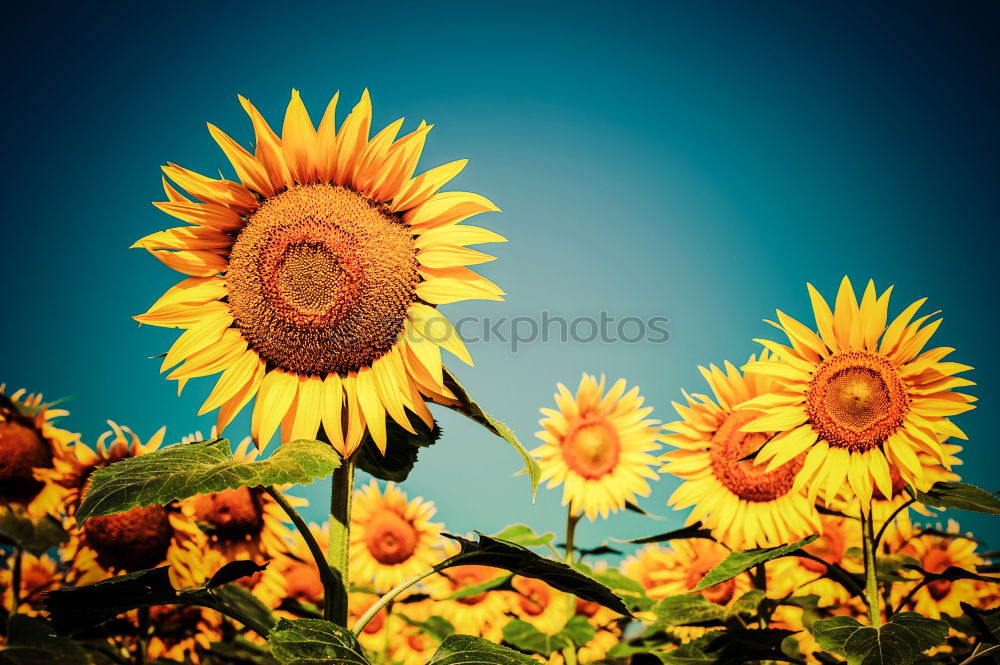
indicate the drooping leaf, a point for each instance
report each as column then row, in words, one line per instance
column 740, row 562
column 468, row 650
column 522, row 635
column 188, row 469
column 35, row 535
column 687, row 609
column 239, row 651
column 436, row 626
column 314, row 642
column 952, row 573
column 695, row 530
column 897, row 642
column 501, row 583
column 247, row 604
column 986, row 622
column 468, row 408
column 601, row 550
column 233, row 571
column 401, row 451
column 944, row 494
column 729, row 647
column 636, row 508
column 631, row 591
column 31, row 642
column 520, row 560
column 522, row 534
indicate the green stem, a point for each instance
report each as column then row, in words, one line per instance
column 326, row 575
column 571, row 522
column 15, row 581
column 885, row 525
column 340, row 536
column 871, row 582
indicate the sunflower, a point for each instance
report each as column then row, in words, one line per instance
column 30, row 444
column 537, row 603
column 742, row 504
column 801, row 576
column 134, row 540
column 690, row 562
column 481, row 614
column 242, row 523
column 38, row 575
column 392, row 539
column 376, row 632
column 858, row 396
column 182, row 632
column 296, row 571
column 935, row 553
column 644, row 566
column 599, row 445
column 313, row 282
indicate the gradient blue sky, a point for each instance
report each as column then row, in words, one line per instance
column 699, row 161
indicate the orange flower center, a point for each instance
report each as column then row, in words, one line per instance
column 391, row 539
column 134, row 540
column 586, row 608
column 937, row 560
column 830, row 546
column 743, row 478
column 856, row 400
column 320, row 279
column 233, row 515
column 466, row 576
column 592, row 447
column 22, row 449
column 534, row 596
column 303, row 584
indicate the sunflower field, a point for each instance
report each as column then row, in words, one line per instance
column 812, row 472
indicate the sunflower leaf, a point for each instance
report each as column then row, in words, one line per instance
column 436, row 626
column 468, row 408
column 522, row 534
column 962, row 496
column 35, row 535
column 501, row 583
column 695, row 530
column 31, row 642
column 468, row 650
column 985, row 623
column 951, row 574
column 900, row 641
column 740, row 562
column 314, row 642
column 401, row 451
column 521, row 561
column 187, row 469
column 687, row 609
column 522, row 635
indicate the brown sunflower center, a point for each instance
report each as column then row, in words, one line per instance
column 937, row 560
column 592, row 447
column 391, row 539
column 320, row 279
column 743, row 478
column 586, row 608
column 232, row 514
column 22, row 449
column 856, row 400
column 534, row 596
column 134, row 540
column 466, row 576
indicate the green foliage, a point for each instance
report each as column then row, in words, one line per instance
column 35, row 535
column 730, row 647
column 520, row 560
column 185, row 470
column 693, row 608
column 900, row 641
column 695, row 530
column 522, row 534
column 501, row 583
column 31, row 642
column 401, row 450
column 522, row 635
column 436, row 626
column 958, row 495
column 468, row 408
column 740, row 562
column 467, row 650
column 314, row 642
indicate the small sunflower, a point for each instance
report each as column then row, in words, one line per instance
column 744, row 505
column 182, row 633
column 134, row 540
column 30, row 444
column 858, row 396
column 481, row 614
column 314, row 281
column 296, row 570
column 645, row 565
column 242, row 523
column 801, row 576
column 537, row 603
column 38, row 575
column 599, row 446
column 936, row 553
column 376, row 632
column 392, row 538
column 691, row 561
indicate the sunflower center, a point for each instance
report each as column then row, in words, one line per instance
column 743, row 478
column 134, row 540
column 232, row 514
column 466, row 576
column 856, row 400
column 320, row 279
column 22, row 449
column 586, row 608
column 592, row 447
column 391, row 539
column 937, row 560
column 534, row 596
column 302, row 583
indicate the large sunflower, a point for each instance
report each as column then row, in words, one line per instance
column 30, row 446
column 599, row 445
column 857, row 396
column 392, row 538
column 744, row 505
column 314, row 280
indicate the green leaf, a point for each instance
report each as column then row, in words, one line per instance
column 579, row 630
column 695, row 530
column 958, row 495
column 888, row 567
column 232, row 571
column 900, row 641
column 401, row 451
column 35, row 535
column 468, row 408
column 31, row 642
column 522, row 635
column 247, row 604
column 520, row 560
column 501, row 583
column 436, row 626
column 185, row 470
column 951, row 574
column 740, row 562
column 747, row 603
column 687, row 609
column 986, row 622
column 314, row 642
column 468, row 650
column 522, row 534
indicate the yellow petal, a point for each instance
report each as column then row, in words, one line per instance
column 185, row 237
column 298, row 140
column 227, row 193
column 352, row 139
column 275, row 396
column 434, row 327
column 250, row 172
column 326, row 142
column 447, row 208
column 268, row 151
column 371, row 407
column 233, row 406
column 232, row 379
column 195, row 263
column 209, row 215
column 333, row 400
column 425, row 185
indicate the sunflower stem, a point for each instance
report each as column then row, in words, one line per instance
column 15, row 581
column 871, row 581
column 340, row 537
column 327, row 577
column 571, row 522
